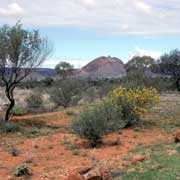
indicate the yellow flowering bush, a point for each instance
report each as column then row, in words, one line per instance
column 118, row 110
column 137, row 100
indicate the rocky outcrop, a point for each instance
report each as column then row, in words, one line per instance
column 103, row 68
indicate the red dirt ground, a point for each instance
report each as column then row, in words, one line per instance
column 50, row 158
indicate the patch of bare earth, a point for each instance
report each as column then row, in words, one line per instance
column 54, row 155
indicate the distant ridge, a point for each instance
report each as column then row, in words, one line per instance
column 41, row 73
column 37, row 73
column 100, row 68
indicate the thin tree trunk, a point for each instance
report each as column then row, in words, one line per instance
column 178, row 84
column 9, row 94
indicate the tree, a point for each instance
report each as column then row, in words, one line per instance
column 20, row 52
column 138, row 63
column 64, row 69
column 67, row 93
column 169, row 64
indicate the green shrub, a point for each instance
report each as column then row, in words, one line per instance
column 134, row 102
column 22, row 170
column 70, row 113
column 34, row 100
column 115, row 112
column 18, row 111
column 140, row 81
column 66, row 94
column 48, row 82
column 72, row 147
column 97, row 121
column 9, row 127
column 13, row 150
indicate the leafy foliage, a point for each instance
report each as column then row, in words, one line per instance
column 20, row 52
column 97, row 121
column 64, row 69
column 9, row 127
column 22, row 170
column 139, row 63
column 67, row 93
column 136, row 100
column 18, row 111
column 34, row 100
column 169, row 64
column 115, row 112
column 138, row 80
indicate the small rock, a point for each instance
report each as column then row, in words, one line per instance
column 171, row 152
column 131, row 170
column 139, row 158
column 93, row 174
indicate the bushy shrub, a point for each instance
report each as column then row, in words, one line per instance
column 66, row 94
column 22, row 170
column 34, row 100
column 115, row 112
column 47, row 81
column 9, row 127
column 13, row 151
column 134, row 101
column 97, row 121
column 18, row 111
column 140, row 81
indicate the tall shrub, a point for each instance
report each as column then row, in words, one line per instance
column 97, row 121
column 120, row 108
column 137, row 100
column 34, row 101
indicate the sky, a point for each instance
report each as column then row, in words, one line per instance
column 82, row 30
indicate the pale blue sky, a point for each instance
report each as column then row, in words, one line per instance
column 82, row 30
column 75, row 45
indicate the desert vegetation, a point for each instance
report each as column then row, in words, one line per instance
column 71, row 127
column 119, row 110
column 21, row 51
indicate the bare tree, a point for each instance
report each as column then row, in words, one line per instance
column 20, row 52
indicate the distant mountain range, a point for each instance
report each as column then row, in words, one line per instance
column 42, row 73
column 100, row 68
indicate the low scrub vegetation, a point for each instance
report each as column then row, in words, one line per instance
column 26, row 128
column 34, row 101
column 163, row 164
column 22, row 170
column 9, row 127
column 97, row 121
column 134, row 102
column 18, row 110
column 121, row 108
column 13, row 151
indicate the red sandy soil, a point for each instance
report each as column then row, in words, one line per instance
column 51, row 159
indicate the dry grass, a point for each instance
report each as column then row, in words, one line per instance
column 166, row 115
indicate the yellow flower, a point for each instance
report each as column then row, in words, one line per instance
column 140, row 100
